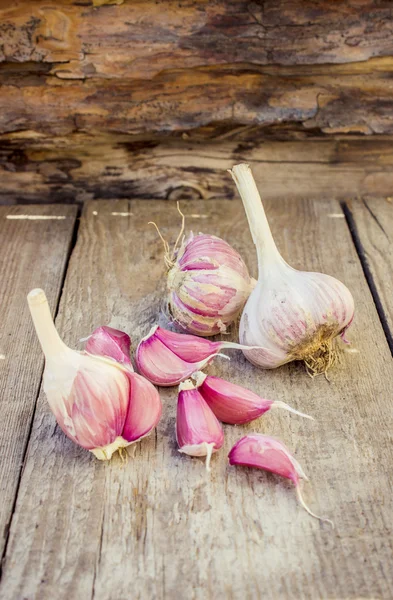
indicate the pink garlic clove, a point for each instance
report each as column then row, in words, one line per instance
column 161, row 365
column 198, row 431
column 144, row 410
column 267, row 453
column 167, row 358
column 111, row 343
column 234, row 404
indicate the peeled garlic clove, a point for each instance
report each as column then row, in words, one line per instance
column 144, row 410
column 208, row 285
column 198, row 432
column 267, row 453
column 111, row 343
column 158, row 360
column 292, row 315
column 233, row 403
column 90, row 396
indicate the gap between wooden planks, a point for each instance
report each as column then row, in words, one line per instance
column 371, row 224
column 160, row 526
column 35, row 244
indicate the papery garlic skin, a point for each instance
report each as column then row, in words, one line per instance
column 208, row 285
column 292, row 315
column 167, row 358
column 233, row 403
column 111, row 343
column 198, row 431
column 98, row 403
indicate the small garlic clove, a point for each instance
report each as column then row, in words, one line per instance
column 189, row 348
column 270, row 454
column 111, row 343
column 233, row 403
column 144, row 410
column 198, row 431
column 161, row 365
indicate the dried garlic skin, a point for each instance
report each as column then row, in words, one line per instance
column 99, row 404
column 208, row 285
column 290, row 314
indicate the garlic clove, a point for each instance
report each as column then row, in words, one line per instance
column 161, row 365
column 111, row 343
column 270, row 454
column 198, row 431
column 144, row 409
column 233, row 403
column 290, row 314
column 166, row 357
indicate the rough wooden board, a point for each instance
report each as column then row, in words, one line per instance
column 160, row 526
column 333, row 99
column 79, row 167
column 138, row 39
column 33, row 254
column 372, row 224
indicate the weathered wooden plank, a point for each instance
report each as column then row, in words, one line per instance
column 34, row 253
column 160, row 526
column 353, row 98
column 372, row 227
column 79, row 168
column 138, row 39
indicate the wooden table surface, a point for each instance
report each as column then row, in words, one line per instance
column 159, row 526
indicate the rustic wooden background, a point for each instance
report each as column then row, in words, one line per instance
column 118, row 99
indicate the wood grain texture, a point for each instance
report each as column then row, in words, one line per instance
column 159, row 526
column 33, row 254
column 349, row 98
column 373, row 230
column 80, row 167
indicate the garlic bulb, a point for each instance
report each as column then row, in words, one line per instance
column 292, row 315
column 100, row 404
column 208, row 285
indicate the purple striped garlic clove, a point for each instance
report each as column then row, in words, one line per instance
column 234, row 404
column 167, row 358
column 208, row 285
column 198, row 431
column 99, row 404
column 110, row 343
column 270, row 454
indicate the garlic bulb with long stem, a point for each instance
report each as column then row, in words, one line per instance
column 99, row 403
column 292, row 315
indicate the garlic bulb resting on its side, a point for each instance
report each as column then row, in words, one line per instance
column 100, row 404
column 208, row 285
column 292, row 315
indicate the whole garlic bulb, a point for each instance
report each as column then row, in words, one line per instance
column 208, row 285
column 292, row 315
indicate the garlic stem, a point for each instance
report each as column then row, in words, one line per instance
column 304, row 505
column 50, row 341
column 262, row 236
column 280, row 404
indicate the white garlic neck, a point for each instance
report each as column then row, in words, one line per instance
column 50, row 341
